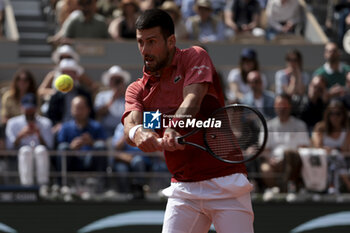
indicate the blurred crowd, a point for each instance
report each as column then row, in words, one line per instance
column 200, row 20
column 307, row 117
column 37, row 119
column 307, row 113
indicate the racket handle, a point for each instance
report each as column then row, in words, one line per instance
column 178, row 139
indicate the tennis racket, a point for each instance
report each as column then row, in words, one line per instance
column 240, row 138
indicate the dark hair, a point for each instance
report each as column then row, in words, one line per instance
column 29, row 76
column 244, row 73
column 334, row 104
column 156, row 18
column 286, row 97
column 295, row 52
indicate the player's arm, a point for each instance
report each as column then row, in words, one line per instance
column 193, row 95
column 145, row 139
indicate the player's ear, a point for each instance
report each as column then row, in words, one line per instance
column 171, row 41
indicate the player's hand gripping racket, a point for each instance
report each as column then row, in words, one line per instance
column 241, row 137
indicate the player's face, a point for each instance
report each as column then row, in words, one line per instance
column 154, row 48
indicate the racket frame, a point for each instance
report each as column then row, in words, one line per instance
column 181, row 139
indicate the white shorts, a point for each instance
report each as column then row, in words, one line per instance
column 193, row 206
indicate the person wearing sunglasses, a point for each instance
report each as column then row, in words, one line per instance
column 332, row 134
column 292, row 80
column 23, row 82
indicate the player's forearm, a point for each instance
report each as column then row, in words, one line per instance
column 134, row 118
column 193, row 96
column 190, row 106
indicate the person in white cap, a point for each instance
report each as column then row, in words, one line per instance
column 64, row 51
column 46, row 88
column 109, row 104
column 59, row 104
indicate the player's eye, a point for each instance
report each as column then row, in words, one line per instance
column 140, row 42
column 152, row 42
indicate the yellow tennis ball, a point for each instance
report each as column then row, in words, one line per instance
column 64, row 83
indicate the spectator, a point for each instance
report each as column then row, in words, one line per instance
column 334, row 71
column 123, row 27
column 237, row 78
column 31, row 135
column 243, row 16
column 60, row 103
column 187, row 8
column 204, row 26
column 132, row 159
column 47, row 89
column 345, row 98
column 259, row 97
column 66, row 11
column 342, row 8
column 332, row 133
column 63, row 9
column 286, row 134
column 64, row 51
column 82, row 134
column 173, row 10
column 148, row 4
column 109, row 104
column 107, row 9
column 89, row 24
column 23, row 82
column 314, row 104
column 2, row 137
column 293, row 80
column 263, row 3
column 283, row 17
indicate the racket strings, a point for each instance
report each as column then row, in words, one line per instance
column 238, row 137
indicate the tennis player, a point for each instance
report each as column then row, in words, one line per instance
column 183, row 82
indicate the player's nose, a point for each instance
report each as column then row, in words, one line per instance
column 144, row 50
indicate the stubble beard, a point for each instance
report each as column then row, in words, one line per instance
column 158, row 65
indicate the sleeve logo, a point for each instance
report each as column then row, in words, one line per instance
column 200, row 68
